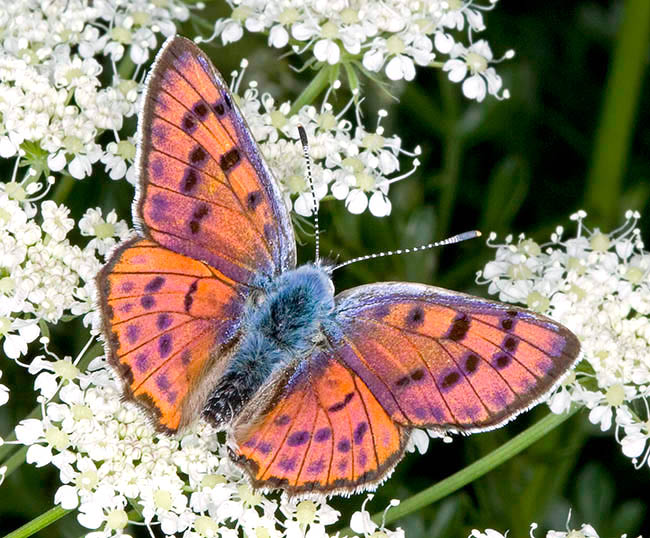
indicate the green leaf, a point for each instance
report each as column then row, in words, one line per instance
column 595, row 494
column 508, row 188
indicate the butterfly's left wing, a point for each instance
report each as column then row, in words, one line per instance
column 444, row 360
column 204, row 189
column 214, row 225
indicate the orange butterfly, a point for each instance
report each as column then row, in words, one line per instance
column 205, row 313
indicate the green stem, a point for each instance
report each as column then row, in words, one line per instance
column 618, row 114
column 39, row 523
column 64, row 185
column 15, row 460
column 471, row 472
column 126, row 68
column 313, row 89
column 353, row 79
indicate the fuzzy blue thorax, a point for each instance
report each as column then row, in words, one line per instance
column 279, row 325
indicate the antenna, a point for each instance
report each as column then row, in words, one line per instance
column 310, row 180
column 449, row 241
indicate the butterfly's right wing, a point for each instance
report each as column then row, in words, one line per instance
column 440, row 359
column 317, row 428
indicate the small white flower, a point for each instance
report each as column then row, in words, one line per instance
column 476, row 61
column 105, row 232
column 392, row 35
column 55, row 220
column 361, row 523
column 15, row 343
column 67, row 497
column 278, row 36
column 419, row 441
column 489, row 533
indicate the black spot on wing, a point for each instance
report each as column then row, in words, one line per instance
column 450, row 380
column 198, row 155
column 417, row 375
column 471, row 363
column 459, row 328
column 219, row 109
column 501, row 360
column 155, row 284
column 298, row 438
column 201, row 110
column 510, row 344
column 342, row 404
column 229, row 159
column 190, row 179
column 189, row 299
column 323, row 435
column 189, row 123
column 253, row 200
column 199, row 213
column 415, row 317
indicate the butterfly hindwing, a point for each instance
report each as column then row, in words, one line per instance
column 167, row 319
column 324, row 432
column 204, row 189
column 445, row 360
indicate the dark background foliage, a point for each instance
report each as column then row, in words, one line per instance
column 521, row 165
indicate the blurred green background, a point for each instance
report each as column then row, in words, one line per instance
column 574, row 134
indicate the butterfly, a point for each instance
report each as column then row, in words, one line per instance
column 205, row 314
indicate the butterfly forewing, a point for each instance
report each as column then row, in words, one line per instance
column 203, row 191
column 446, row 360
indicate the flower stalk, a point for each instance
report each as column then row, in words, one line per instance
column 39, row 523
column 619, row 113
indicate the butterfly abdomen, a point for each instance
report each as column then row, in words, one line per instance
column 282, row 325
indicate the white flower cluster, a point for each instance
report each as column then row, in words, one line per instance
column 598, row 285
column 53, row 104
column 351, row 163
column 42, row 275
column 110, row 460
column 391, row 36
column 585, row 531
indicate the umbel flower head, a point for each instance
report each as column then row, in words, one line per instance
column 598, row 285
column 390, row 37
